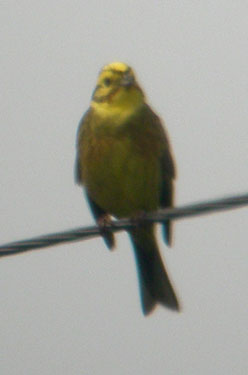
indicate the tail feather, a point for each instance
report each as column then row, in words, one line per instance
column 155, row 286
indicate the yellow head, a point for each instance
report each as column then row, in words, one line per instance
column 117, row 93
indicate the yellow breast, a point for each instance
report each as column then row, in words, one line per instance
column 119, row 177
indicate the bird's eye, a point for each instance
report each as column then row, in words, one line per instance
column 107, row 81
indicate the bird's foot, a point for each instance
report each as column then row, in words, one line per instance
column 104, row 221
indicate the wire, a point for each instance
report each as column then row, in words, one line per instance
column 124, row 224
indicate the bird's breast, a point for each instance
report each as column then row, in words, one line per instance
column 121, row 176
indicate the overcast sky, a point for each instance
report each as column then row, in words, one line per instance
column 75, row 309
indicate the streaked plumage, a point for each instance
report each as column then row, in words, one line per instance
column 125, row 163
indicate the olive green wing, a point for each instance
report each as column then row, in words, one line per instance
column 82, row 128
column 101, row 216
column 168, row 171
column 167, row 191
column 97, row 211
column 167, row 201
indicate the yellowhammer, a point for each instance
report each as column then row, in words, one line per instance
column 125, row 163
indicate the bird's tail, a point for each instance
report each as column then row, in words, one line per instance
column 155, row 286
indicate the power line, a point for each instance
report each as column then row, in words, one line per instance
column 124, row 224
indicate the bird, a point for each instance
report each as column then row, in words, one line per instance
column 125, row 163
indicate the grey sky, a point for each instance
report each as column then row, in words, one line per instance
column 75, row 309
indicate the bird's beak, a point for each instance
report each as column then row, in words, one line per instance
column 127, row 80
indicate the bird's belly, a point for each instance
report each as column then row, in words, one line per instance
column 122, row 180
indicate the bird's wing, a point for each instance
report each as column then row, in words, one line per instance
column 168, row 171
column 96, row 210
column 167, row 191
column 80, row 133
column 99, row 215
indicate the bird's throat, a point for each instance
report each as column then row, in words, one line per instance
column 120, row 107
